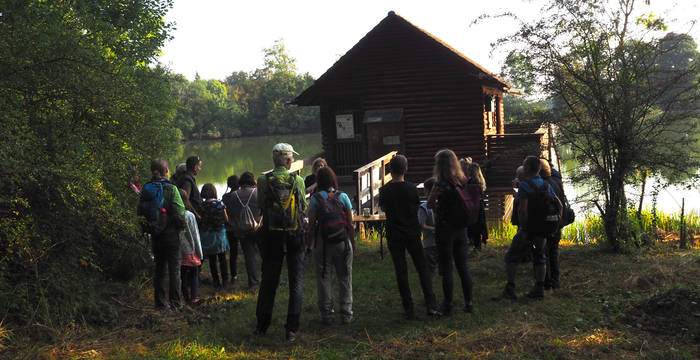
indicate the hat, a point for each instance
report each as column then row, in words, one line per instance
column 284, row 148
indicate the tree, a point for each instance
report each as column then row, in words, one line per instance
column 81, row 102
column 620, row 108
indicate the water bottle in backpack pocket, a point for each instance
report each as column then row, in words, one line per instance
column 151, row 208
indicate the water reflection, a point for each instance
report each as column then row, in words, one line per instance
column 222, row 158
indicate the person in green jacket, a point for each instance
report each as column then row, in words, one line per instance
column 166, row 245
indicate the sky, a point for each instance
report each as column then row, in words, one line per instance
column 217, row 37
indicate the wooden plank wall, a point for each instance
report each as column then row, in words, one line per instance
column 401, row 68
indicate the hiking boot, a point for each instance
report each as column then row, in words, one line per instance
column 508, row 293
column 291, row 336
column 537, row 292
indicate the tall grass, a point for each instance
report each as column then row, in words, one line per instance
column 590, row 229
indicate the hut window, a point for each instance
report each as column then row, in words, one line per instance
column 344, row 126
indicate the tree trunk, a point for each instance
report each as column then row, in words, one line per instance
column 645, row 174
column 613, row 211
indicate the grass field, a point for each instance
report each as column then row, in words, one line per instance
column 639, row 305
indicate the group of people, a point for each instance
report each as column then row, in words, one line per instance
column 283, row 216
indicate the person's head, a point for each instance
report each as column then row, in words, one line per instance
column 519, row 176
column 545, row 169
column 474, row 172
column 283, row 155
column 326, row 179
column 398, row 165
column 194, row 165
column 464, row 163
column 186, row 200
column 233, row 182
column 318, row 164
column 428, row 185
column 447, row 167
column 209, row 191
column 159, row 168
column 247, row 179
column 531, row 165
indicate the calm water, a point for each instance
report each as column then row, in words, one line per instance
column 222, row 158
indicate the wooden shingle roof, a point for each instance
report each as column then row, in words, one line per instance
column 395, row 24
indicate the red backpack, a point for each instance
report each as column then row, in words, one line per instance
column 332, row 217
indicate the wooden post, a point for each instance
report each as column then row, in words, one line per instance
column 371, row 189
column 682, row 240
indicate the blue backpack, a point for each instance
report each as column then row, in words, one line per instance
column 152, row 207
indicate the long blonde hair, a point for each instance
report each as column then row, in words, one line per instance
column 447, row 167
column 474, row 172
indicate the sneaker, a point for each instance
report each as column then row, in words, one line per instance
column 291, row 336
column 537, row 292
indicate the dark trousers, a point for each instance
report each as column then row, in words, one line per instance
column 398, row 247
column 250, row 252
column 552, row 276
column 277, row 245
column 452, row 247
column 233, row 255
column 166, row 252
column 214, row 262
column 190, row 282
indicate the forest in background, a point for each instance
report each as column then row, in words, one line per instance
column 245, row 103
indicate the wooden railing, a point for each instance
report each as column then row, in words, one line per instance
column 369, row 179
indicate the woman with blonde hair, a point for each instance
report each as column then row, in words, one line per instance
column 450, row 238
column 478, row 232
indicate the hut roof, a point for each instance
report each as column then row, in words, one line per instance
column 390, row 25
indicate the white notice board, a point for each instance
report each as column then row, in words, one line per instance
column 344, row 128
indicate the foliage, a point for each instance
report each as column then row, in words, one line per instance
column 246, row 104
column 80, row 104
column 624, row 94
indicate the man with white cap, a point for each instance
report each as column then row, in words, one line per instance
column 281, row 199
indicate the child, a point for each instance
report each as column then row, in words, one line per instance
column 191, row 250
column 426, row 219
column 214, row 242
column 399, row 200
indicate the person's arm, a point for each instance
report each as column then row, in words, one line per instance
column 194, row 232
column 422, row 220
column 348, row 212
column 262, row 183
column 302, row 192
column 176, row 205
column 432, row 197
column 225, row 216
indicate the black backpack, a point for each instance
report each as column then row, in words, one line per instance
column 542, row 210
column 332, row 218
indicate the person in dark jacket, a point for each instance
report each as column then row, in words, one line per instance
column 478, row 232
column 551, row 280
column 188, row 183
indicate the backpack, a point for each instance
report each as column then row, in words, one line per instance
column 246, row 220
column 332, row 219
column 542, row 210
column 465, row 210
column 568, row 215
column 152, row 207
column 282, row 204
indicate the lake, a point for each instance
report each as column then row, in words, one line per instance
column 222, row 158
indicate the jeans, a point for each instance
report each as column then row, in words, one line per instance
column 338, row 256
column 397, row 248
column 431, row 260
column 233, row 259
column 190, row 282
column 277, row 245
column 452, row 247
column 166, row 251
column 522, row 249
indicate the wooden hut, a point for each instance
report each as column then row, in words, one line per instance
column 401, row 88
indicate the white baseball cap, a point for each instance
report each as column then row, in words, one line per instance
column 284, row 148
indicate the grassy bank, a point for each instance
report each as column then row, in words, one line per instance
column 610, row 306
